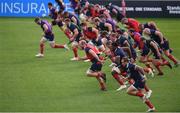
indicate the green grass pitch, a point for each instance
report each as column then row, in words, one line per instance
column 54, row 83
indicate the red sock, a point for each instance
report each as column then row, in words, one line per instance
column 58, row 46
column 75, row 52
column 68, row 34
column 158, row 68
column 172, row 58
column 165, row 62
column 149, row 104
column 116, row 76
column 124, row 74
column 41, row 48
column 139, row 94
column 159, row 64
column 146, row 88
column 102, row 85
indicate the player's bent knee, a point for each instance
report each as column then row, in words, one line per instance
column 74, row 44
column 52, row 45
column 116, row 69
column 128, row 91
column 88, row 72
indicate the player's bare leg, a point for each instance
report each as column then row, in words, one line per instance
column 54, row 45
column 118, row 78
column 134, row 92
column 171, row 57
column 148, row 69
column 75, row 50
column 99, row 76
column 41, row 47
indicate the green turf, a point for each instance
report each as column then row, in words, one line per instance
column 54, row 83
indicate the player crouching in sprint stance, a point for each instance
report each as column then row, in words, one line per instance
column 95, row 69
column 137, row 74
column 48, row 35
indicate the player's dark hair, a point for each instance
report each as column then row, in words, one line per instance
column 83, row 24
column 50, row 4
column 60, row 12
column 113, row 34
column 102, row 16
column 131, row 30
column 109, row 42
column 115, row 44
column 104, row 33
column 96, row 19
column 36, row 19
column 126, row 59
column 67, row 20
column 65, row 14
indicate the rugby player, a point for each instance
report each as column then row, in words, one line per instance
column 131, row 23
column 53, row 13
column 158, row 37
column 47, row 36
column 74, row 39
column 136, row 73
column 95, row 70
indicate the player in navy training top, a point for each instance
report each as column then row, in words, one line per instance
column 150, row 25
column 72, row 17
column 76, row 35
column 158, row 37
column 116, row 54
column 103, row 26
column 47, row 36
column 152, row 46
column 61, row 5
column 136, row 73
column 53, row 13
column 124, row 42
column 115, row 11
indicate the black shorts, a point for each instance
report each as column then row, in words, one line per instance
column 139, row 84
column 134, row 55
column 97, row 43
column 165, row 46
column 96, row 66
column 145, row 51
column 49, row 37
column 119, row 16
column 78, row 37
column 54, row 22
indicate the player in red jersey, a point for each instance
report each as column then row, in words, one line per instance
column 131, row 23
column 95, row 69
column 91, row 33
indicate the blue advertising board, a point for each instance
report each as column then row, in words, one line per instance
column 27, row 8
